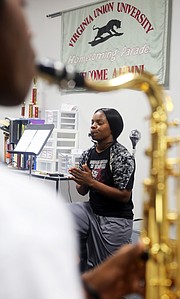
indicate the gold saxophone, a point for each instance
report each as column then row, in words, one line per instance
column 163, row 265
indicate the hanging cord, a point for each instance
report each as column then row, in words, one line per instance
column 69, row 191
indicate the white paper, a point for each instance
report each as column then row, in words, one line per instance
column 37, row 141
column 32, row 141
column 25, row 141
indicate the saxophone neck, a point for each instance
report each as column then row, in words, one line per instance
column 144, row 82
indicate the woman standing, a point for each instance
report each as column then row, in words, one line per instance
column 106, row 171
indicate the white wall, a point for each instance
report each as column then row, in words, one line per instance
column 132, row 105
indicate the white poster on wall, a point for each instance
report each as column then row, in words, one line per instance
column 109, row 38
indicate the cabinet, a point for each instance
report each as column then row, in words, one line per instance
column 52, row 117
column 60, row 144
column 62, row 119
column 68, row 120
column 56, row 155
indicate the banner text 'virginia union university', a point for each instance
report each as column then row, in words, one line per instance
column 109, row 38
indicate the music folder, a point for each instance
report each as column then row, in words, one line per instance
column 33, row 139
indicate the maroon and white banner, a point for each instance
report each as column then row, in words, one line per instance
column 109, row 38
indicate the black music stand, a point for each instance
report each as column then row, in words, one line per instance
column 33, row 140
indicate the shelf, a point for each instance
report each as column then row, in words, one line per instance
column 60, row 144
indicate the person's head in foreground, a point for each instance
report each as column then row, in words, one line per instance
column 17, row 66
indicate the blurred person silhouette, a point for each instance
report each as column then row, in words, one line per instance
column 38, row 252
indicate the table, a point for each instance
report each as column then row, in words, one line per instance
column 56, row 178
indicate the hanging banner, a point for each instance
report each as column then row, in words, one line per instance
column 109, row 38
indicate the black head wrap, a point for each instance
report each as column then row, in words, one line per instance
column 114, row 119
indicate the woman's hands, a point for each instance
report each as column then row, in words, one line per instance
column 81, row 177
column 84, row 180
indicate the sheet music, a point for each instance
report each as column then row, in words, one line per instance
column 33, row 139
column 25, row 141
column 37, row 141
